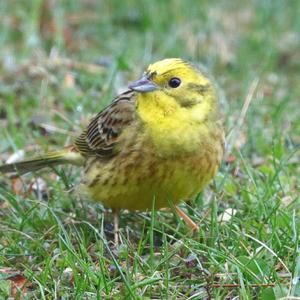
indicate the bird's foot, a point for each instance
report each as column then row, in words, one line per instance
column 187, row 219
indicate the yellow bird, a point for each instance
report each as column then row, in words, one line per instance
column 161, row 139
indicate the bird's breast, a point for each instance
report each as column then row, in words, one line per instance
column 140, row 173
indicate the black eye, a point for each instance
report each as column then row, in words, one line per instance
column 174, row 82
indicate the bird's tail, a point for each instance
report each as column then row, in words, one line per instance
column 65, row 156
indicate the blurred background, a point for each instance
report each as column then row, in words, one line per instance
column 74, row 56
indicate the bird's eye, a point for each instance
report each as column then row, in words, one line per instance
column 174, row 82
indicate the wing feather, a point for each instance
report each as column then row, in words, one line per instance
column 103, row 132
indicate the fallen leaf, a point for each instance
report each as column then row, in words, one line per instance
column 18, row 284
column 17, row 186
column 226, row 215
column 18, row 281
column 230, row 159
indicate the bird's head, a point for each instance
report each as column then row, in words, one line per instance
column 177, row 85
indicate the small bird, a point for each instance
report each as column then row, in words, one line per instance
column 161, row 140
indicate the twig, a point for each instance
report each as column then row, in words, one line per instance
column 65, row 118
column 240, row 121
column 247, row 102
column 5, row 228
column 52, row 128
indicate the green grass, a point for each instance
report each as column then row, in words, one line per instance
column 63, row 244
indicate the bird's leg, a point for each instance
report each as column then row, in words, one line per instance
column 116, row 226
column 187, row 219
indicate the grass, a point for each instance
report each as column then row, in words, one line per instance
column 61, row 244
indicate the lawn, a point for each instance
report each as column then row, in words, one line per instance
column 62, row 61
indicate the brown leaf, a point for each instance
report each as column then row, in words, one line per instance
column 17, row 186
column 230, row 159
column 18, row 281
column 18, row 284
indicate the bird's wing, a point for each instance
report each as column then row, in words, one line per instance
column 103, row 132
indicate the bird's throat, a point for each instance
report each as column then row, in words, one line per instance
column 169, row 127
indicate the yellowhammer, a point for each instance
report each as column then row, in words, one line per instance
column 161, row 140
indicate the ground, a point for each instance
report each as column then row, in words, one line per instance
column 62, row 61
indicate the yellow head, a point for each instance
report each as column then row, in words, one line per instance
column 177, row 105
column 174, row 87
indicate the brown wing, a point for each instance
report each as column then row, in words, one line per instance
column 102, row 134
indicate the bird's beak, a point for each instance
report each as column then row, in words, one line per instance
column 143, row 85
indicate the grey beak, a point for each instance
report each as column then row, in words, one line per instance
column 143, row 85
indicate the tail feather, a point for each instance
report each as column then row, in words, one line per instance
column 65, row 156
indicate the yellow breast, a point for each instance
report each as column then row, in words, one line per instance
column 139, row 174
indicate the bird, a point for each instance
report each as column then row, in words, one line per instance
column 159, row 142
